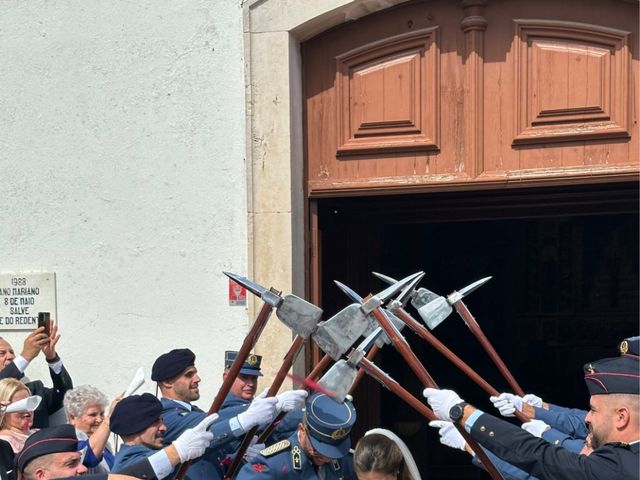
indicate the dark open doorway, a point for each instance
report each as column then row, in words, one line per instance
column 564, row 291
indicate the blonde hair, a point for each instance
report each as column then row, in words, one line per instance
column 8, row 388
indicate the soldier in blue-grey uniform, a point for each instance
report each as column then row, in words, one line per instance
column 53, row 453
column 178, row 381
column 138, row 420
column 319, row 449
column 243, row 392
column 613, row 422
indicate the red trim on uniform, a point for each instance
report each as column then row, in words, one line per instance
column 596, row 380
column 630, row 375
column 65, row 439
column 630, row 355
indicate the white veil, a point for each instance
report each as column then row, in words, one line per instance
column 408, row 458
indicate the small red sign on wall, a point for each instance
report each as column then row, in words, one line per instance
column 237, row 294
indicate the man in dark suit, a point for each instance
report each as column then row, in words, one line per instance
column 613, row 422
column 13, row 366
column 7, row 471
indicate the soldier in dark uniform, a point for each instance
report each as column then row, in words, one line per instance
column 613, row 422
column 243, row 392
column 319, row 449
column 179, row 382
column 138, row 420
column 564, row 422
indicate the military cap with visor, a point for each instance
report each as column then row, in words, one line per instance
column 328, row 424
column 59, row 439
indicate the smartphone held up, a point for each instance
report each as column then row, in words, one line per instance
column 44, row 321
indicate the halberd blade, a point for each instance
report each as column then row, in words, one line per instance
column 409, row 291
column 266, row 295
column 339, row 379
column 390, row 291
column 348, row 291
column 299, row 315
column 470, row 288
column 434, row 312
column 336, row 335
column 257, row 290
column 385, row 278
column 419, row 297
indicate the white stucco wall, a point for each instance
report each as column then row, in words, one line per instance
column 122, row 165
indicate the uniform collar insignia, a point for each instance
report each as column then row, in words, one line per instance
column 296, row 458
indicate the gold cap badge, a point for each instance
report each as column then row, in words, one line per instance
column 624, row 346
column 338, row 434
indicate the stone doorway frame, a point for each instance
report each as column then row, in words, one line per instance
column 273, row 31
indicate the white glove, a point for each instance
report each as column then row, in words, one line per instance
column 507, row 404
column 193, row 442
column 291, row 400
column 261, row 411
column 449, row 436
column 536, row 427
column 441, row 401
column 253, row 449
column 532, row 400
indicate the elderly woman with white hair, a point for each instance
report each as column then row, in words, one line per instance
column 85, row 407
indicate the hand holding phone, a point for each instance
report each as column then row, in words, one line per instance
column 44, row 321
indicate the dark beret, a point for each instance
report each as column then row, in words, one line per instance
column 59, row 439
column 613, row 375
column 135, row 414
column 630, row 346
column 251, row 365
column 172, row 364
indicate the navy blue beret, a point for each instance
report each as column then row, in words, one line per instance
column 329, row 424
column 172, row 364
column 613, row 375
column 135, row 414
column 59, row 439
column 251, row 365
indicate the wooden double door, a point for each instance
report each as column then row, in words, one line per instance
column 476, row 138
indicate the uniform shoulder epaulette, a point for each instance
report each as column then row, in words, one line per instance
column 275, row 448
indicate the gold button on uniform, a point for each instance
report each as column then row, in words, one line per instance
column 482, row 428
column 491, row 434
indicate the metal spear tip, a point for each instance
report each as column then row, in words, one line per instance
column 463, row 292
column 389, row 292
column 385, row 278
column 368, row 342
column 253, row 287
column 470, row 288
column 353, row 296
column 408, row 291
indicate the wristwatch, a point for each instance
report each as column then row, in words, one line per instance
column 457, row 411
